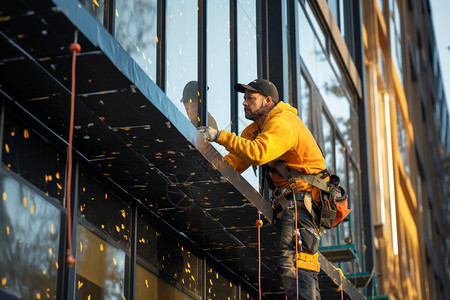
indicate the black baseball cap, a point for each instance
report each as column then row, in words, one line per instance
column 261, row 86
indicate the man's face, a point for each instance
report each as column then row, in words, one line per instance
column 191, row 107
column 254, row 105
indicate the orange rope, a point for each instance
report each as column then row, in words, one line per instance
column 70, row 260
column 259, row 223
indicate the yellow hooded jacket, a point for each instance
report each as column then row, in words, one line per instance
column 283, row 136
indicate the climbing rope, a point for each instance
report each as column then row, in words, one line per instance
column 74, row 48
column 259, row 223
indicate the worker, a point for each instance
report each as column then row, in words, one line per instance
column 190, row 101
column 277, row 133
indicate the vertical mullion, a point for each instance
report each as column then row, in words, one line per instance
column 262, row 39
column 131, row 268
column 234, row 67
column 294, row 63
column 108, row 16
column 161, row 48
column 202, row 107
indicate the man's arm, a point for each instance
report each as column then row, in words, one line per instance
column 277, row 137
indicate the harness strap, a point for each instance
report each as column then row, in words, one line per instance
column 291, row 174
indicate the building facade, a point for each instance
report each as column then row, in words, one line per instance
column 408, row 130
column 156, row 213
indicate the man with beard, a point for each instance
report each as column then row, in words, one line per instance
column 277, row 133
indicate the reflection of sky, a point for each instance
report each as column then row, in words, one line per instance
column 135, row 29
column 218, row 65
column 181, row 53
column 247, row 65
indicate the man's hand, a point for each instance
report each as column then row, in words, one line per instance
column 209, row 133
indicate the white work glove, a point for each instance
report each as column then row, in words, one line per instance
column 209, row 133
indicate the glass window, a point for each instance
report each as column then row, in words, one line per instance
column 169, row 256
column 96, row 8
column 135, row 29
column 218, row 66
column 29, row 247
column 29, row 155
column 328, row 149
column 396, row 37
column 247, row 54
column 100, row 267
column 402, row 139
column 247, row 66
column 304, row 103
column 181, row 48
column 333, row 92
column 218, row 285
column 330, row 236
column 149, row 286
column 104, row 210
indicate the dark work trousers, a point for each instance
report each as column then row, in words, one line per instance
column 308, row 282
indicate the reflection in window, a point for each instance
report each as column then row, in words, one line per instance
column 104, row 210
column 135, row 29
column 33, row 158
column 330, row 236
column 169, row 256
column 216, row 285
column 338, row 10
column 247, row 66
column 149, row 286
column 181, row 48
column 304, row 103
column 96, row 8
column 332, row 90
column 218, row 64
column 100, row 268
column 402, row 139
column 29, row 247
column 328, row 144
column 247, row 55
column 396, row 37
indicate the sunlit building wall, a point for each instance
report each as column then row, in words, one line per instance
column 409, row 149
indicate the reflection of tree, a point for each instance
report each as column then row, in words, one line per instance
column 136, row 23
column 29, row 248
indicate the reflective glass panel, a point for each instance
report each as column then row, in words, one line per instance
column 104, row 210
column 247, row 55
column 100, row 268
column 169, row 256
column 332, row 90
column 328, row 143
column 402, row 139
column 218, row 286
column 330, row 236
column 181, row 49
column 247, row 66
column 396, row 37
column 135, row 29
column 96, row 8
column 149, row 286
column 304, row 103
column 29, row 247
column 218, row 70
column 33, row 158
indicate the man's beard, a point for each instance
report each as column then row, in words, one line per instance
column 256, row 114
